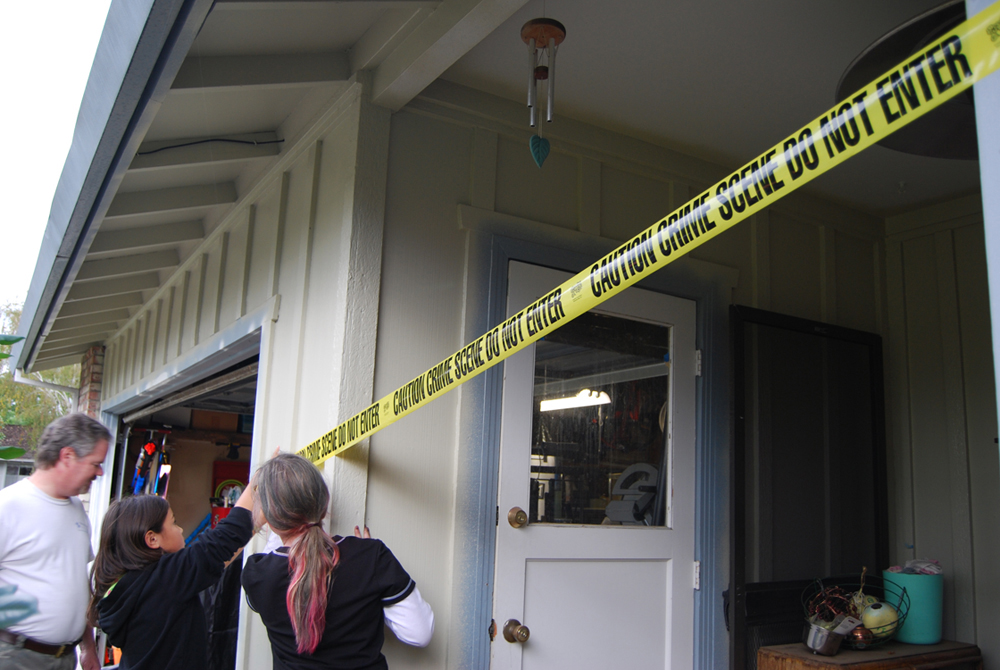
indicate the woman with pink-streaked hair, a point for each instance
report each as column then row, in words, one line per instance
column 323, row 599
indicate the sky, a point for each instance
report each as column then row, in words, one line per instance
column 44, row 64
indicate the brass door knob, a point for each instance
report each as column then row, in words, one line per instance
column 517, row 517
column 515, row 631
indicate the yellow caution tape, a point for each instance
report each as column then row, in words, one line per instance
column 914, row 87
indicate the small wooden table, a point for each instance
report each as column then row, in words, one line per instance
column 951, row 655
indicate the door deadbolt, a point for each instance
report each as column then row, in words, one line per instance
column 515, row 631
column 517, row 517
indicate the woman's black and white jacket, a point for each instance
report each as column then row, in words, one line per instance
column 370, row 590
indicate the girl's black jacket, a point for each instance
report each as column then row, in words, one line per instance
column 154, row 615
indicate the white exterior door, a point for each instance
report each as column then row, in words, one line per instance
column 597, row 450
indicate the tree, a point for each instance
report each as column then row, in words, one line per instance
column 29, row 406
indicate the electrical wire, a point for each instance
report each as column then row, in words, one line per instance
column 214, row 139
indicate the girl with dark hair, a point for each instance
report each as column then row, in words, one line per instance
column 146, row 583
column 325, row 600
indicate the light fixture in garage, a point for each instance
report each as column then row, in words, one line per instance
column 585, row 398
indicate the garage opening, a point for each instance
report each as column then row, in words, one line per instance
column 193, row 448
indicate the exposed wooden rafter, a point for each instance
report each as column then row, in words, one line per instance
column 98, row 332
column 131, row 239
column 101, row 318
column 43, row 363
column 435, row 45
column 128, row 265
column 67, row 349
column 98, row 289
column 386, row 34
column 271, row 71
column 95, row 305
column 168, row 199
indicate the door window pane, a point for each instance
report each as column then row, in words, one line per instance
column 600, row 416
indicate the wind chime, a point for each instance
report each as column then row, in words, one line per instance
column 543, row 37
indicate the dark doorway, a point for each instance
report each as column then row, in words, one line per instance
column 809, row 479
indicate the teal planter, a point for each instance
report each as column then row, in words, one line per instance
column 923, row 621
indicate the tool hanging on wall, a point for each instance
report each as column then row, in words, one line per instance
column 142, row 467
column 160, row 467
column 152, row 467
column 543, row 37
column 163, row 476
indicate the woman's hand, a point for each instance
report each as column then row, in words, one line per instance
column 367, row 535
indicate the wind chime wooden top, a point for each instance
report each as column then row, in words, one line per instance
column 541, row 36
column 542, row 30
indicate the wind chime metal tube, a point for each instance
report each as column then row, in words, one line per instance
column 532, row 85
column 551, row 101
column 543, row 36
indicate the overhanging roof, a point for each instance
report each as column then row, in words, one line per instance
column 190, row 101
column 187, row 103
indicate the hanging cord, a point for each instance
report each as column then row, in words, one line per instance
column 214, row 139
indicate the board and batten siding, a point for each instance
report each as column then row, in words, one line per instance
column 918, row 280
column 942, row 424
column 453, row 148
column 306, row 240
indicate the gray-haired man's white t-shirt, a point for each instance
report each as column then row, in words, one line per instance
column 44, row 550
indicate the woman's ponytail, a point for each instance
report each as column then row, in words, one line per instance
column 292, row 497
column 311, row 562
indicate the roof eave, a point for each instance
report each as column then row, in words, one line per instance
column 140, row 51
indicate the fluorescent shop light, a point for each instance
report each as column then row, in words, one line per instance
column 585, row 398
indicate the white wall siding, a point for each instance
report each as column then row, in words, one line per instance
column 453, row 146
column 944, row 464
column 549, row 195
column 288, row 242
column 981, row 432
column 411, row 485
column 631, row 202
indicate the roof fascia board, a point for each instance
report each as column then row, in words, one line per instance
column 140, row 51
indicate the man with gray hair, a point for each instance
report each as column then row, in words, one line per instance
column 45, row 548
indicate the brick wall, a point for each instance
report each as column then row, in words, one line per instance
column 91, row 373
